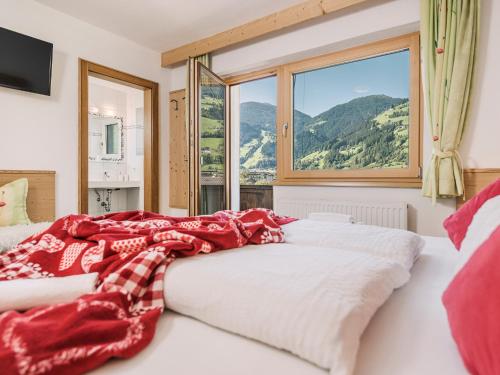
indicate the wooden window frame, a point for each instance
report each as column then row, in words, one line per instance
column 405, row 42
column 196, row 69
column 403, row 177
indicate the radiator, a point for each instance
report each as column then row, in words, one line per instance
column 391, row 215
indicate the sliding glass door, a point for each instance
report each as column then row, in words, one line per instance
column 209, row 142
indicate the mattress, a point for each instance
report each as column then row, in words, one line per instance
column 408, row 335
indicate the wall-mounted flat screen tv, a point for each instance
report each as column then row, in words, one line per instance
column 25, row 62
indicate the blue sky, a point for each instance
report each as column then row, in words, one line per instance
column 261, row 90
column 319, row 90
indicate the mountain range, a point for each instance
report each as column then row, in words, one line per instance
column 366, row 132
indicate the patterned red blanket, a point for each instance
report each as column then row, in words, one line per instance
column 131, row 252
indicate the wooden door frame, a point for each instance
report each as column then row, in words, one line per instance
column 151, row 130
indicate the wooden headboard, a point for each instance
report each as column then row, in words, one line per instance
column 475, row 180
column 41, row 200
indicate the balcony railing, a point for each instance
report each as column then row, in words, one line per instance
column 252, row 196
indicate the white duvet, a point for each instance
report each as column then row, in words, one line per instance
column 312, row 301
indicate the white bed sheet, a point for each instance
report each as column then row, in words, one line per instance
column 409, row 335
column 185, row 346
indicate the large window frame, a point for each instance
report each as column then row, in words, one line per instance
column 385, row 177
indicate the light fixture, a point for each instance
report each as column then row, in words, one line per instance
column 109, row 112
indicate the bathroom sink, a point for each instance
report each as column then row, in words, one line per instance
column 114, row 184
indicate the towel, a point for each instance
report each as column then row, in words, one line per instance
column 23, row 294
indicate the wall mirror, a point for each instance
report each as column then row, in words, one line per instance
column 105, row 137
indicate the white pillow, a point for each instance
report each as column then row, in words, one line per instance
column 331, row 216
column 10, row 236
column 395, row 245
column 484, row 222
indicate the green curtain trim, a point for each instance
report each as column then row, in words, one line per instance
column 449, row 30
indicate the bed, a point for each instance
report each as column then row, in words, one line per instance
column 409, row 334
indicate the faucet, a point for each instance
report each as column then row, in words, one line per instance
column 106, row 175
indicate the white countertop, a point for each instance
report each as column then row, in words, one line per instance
column 114, row 184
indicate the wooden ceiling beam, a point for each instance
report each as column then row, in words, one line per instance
column 285, row 18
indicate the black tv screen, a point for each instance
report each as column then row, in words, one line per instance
column 25, row 62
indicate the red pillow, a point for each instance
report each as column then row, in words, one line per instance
column 473, row 305
column 457, row 224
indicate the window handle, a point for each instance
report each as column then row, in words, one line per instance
column 285, row 129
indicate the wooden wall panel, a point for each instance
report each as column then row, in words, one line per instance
column 178, row 151
column 41, row 200
column 475, row 180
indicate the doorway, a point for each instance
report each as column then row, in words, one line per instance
column 118, row 141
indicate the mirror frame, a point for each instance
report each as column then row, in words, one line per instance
column 104, row 155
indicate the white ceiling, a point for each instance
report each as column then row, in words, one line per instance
column 165, row 24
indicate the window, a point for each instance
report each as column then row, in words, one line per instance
column 212, row 143
column 258, row 131
column 347, row 118
column 113, row 139
column 253, row 114
column 353, row 115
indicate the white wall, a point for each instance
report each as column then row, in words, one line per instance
column 480, row 147
column 40, row 132
column 363, row 24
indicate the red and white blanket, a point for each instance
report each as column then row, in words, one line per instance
column 131, row 252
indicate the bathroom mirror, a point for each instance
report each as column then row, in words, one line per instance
column 105, row 137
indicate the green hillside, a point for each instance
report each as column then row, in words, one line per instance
column 366, row 132
column 212, row 131
column 258, row 142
